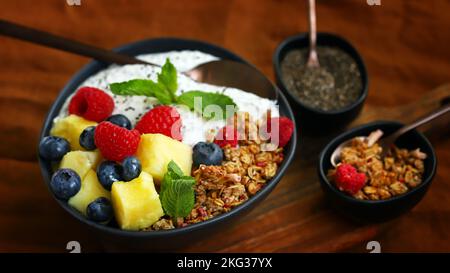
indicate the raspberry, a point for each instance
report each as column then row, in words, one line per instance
column 163, row 120
column 92, row 104
column 285, row 129
column 228, row 135
column 115, row 142
column 348, row 179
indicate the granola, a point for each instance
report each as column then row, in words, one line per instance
column 244, row 171
column 398, row 172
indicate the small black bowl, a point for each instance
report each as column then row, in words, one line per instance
column 116, row 239
column 310, row 118
column 375, row 211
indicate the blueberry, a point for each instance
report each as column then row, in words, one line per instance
column 65, row 183
column 207, row 153
column 131, row 168
column 109, row 172
column 100, row 210
column 53, row 148
column 87, row 138
column 120, row 120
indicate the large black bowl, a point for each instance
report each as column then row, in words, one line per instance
column 375, row 211
column 122, row 240
column 311, row 119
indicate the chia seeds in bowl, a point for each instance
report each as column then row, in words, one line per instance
column 335, row 85
column 315, row 118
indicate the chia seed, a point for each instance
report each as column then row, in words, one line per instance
column 335, row 85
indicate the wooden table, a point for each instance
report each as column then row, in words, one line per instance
column 404, row 44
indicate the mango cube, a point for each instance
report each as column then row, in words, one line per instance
column 136, row 203
column 71, row 128
column 81, row 161
column 91, row 189
column 155, row 151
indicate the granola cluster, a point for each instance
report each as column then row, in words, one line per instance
column 398, row 172
column 244, row 171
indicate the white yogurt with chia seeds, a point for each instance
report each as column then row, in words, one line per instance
column 195, row 128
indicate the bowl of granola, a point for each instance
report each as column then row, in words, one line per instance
column 127, row 151
column 367, row 186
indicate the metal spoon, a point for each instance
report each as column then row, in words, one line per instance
column 313, row 59
column 387, row 142
column 221, row 72
column 320, row 75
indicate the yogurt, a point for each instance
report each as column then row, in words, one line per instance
column 194, row 128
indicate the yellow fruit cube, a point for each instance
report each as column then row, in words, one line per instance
column 71, row 128
column 91, row 189
column 136, row 203
column 81, row 161
column 155, row 151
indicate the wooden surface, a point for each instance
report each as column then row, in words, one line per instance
column 404, row 44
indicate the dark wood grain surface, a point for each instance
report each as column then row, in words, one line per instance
column 404, row 44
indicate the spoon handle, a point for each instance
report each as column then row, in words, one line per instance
column 54, row 41
column 313, row 60
column 437, row 113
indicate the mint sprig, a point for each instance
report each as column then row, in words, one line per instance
column 165, row 91
column 168, row 77
column 134, row 88
column 162, row 93
column 177, row 192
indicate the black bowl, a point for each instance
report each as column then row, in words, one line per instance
column 374, row 211
column 313, row 119
column 121, row 240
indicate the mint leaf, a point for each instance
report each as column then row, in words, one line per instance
column 207, row 99
column 168, row 77
column 161, row 93
column 164, row 90
column 173, row 172
column 177, row 192
column 173, row 168
column 143, row 88
column 133, row 88
column 178, row 198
